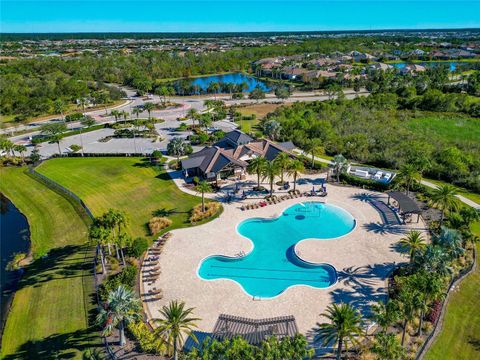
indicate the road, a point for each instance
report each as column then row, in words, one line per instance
column 423, row 182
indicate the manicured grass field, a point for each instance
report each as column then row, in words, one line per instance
column 127, row 184
column 49, row 314
column 259, row 110
column 455, row 129
column 460, row 336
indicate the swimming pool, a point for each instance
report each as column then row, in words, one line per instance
column 273, row 266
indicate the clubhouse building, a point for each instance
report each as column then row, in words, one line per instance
column 230, row 156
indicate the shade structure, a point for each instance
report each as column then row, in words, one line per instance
column 254, row 331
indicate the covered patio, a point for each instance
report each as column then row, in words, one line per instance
column 406, row 205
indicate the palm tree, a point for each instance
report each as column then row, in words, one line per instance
column 282, row 160
column 54, row 132
column 256, row 166
column 86, row 121
column 115, row 114
column 176, row 322
column 444, row 197
column 340, row 164
column 413, row 243
column 344, row 326
column 407, row 301
column 385, row 314
column 294, row 168
column 202, row 188
column 82, row 102
column 21, row 149
column 430, row 287
column 192, row 113
column 386, row 347
column 270, row 170
column 122, row 307
column 312, row 147
column 100, row 235
column 59, row 107
column 148, row 106
column 408, row 175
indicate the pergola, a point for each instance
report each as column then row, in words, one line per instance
column 254, row 331
column 406, row 204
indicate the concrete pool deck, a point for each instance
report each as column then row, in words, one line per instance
column 363, row 259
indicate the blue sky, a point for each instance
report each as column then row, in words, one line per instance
column 234, row 15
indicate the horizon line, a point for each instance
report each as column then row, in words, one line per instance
column 246, row 32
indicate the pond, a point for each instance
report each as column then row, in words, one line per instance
column 201, row 84
column 451, row 65
column 14, row 238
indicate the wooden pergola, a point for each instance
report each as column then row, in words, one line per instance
column 406, row 204
column 254, row 331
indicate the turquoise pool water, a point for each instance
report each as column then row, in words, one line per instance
column 272, row 266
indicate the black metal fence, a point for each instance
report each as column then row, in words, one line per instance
column 59, row 188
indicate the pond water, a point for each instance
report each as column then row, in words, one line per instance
column 236, row 79
column 451, row 65
column 14, row 237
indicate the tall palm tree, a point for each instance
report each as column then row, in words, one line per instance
column 270, row 171
column 408, row 175
column 387, row 347
column 256, row 166
column 344, row 326
column 54, row 131
column 148, row 106
column 175, row 323
column 121, row 308
column 100, row 235
column 408, row 301
column 430, row 287
column 202, row 188
column 340, row 164
column 444, row 197
column 385, row 314
column 59, row 107
column 115, row 114
column 282, row 160
column 192, row 113
column 294, row 168
column 413, row 243
column 312, row 147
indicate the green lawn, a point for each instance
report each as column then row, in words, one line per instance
column 453, row 129
column 127, row 184
column 49, row 314
column 460, row 336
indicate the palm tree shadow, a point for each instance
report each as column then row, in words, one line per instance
column 383, row 229
column 166, row 212
column 366, row 197
column 58, row 346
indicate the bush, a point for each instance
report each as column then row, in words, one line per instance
column 114, row 264
column 158, row 223
column 138, row 247
column 74, row 117
column 211, row 209
column 75, row 147
column 126, row 277
column 147, row 340
column 435, row 311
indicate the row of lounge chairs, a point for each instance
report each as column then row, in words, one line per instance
column 151, row 270
column 272, row 200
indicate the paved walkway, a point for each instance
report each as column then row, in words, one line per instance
column 362, row 258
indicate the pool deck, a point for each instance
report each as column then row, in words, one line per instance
column 363, row 259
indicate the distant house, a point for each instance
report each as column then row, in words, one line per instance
column 293, row 73
column 380, row 66
column 362, row 57
column 412, row 69
column 230, row 156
